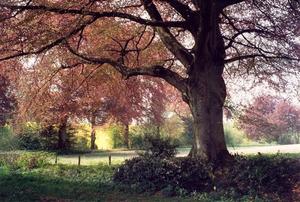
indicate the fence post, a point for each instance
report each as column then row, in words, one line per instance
column 79, row 159
column 109, row 160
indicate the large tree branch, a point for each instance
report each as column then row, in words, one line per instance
column 53, row 43
column 225, row 3
column 184, row 10
column 155, row 71
column 266, row 57
column 241, row 32
column 247, row 43
column 112, row 14
column 180, row 52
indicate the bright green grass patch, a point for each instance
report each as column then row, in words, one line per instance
column 71, row 183
column 89, row 159
column 52, row 183
column 118, row 157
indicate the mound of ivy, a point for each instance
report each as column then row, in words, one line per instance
column 158, row 170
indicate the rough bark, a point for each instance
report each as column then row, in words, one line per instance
column 206, row 90
column 62, row 135
column 93, row 133
column 207, row 110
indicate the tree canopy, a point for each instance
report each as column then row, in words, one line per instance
column 7, row 100
column 188, row 43
column 270, row 118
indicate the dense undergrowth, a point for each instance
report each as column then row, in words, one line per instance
column 154, row 176
column 270, row 177
column 266, row 177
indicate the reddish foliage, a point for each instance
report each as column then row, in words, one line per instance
column 7, row 100
column 270, row 117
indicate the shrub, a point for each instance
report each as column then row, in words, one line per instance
column 261, row 176
column 188, row 129
column 268, row 177
column 117, row 137
column 158, row 147
column 137, row 134
column 30, row 160
column 47, row 138
column 8, row 159
column 30, row 141
column 289, row 138
column 137, row 141
column 29, row 137
column 153, row 174
column 35, row 137
column 7, row 140
column 25, row 160
column 157, row 169
column 234, row 136
column 4, row 170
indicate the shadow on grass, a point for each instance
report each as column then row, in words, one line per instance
column 62, row 183
column 33, row 187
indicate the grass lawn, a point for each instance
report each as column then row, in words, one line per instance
column 66, row 183
column 118, row 156
column 92, row 181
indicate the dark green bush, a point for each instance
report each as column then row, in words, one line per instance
column 269, row 177
column 25, row 160
column 7, row 139
column 157, row 169
column 234, row 136
column 262, row 175
column 30, row 160
column 48, row 138
column 145, row 174
column 158, row 147
column 29, row 141
column 137, row 141
column 188, row 129
column 153, row 174
column 29, row 136
column 33, row 137
column 117, row 136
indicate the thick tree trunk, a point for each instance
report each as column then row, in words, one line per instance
column 207, row 110
column 126, row 136
column 62, row 135
column 206, row 91
column 93, row 133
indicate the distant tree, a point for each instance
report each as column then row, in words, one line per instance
column 51, row 95
column 269, row 118
column 7, row 100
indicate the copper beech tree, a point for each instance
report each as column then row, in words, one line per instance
column 7, row 101
column 270, row 118
column 197, row 38
column 106, row 97
column 51, row 96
